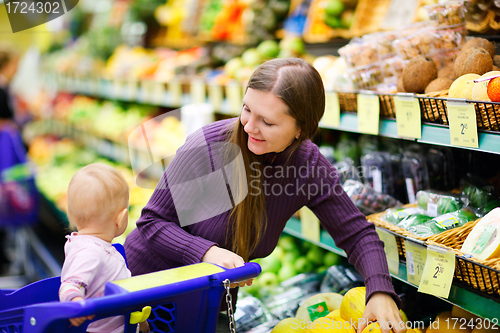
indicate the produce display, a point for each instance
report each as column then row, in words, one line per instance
column 368, row 200
column 484, row 240
column 436, row 203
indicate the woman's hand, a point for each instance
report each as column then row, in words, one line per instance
column 227, row 259
column 382, row 308
column 79, row 320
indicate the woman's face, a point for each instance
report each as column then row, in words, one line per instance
column 266, row 120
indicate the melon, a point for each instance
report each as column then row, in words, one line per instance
column 445, row 324
column 483, row 241
column 461, row 313
column 290, row 325
column 332, row 300
column 353, row 305
column 492, row 329
column 326, row 325
column 462, row 87
column 335, row 314
column 480, row 89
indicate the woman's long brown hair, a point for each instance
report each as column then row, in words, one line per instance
column 300, row 87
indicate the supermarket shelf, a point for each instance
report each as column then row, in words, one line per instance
column 431, row 134
column 459, row 296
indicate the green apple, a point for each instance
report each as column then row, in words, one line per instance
column 286, row 272
column 268, row 279
column 252, row 57
column 302, row 265
column 292, row 44
column 291, row 256
column 334, row 8
column 315, row 255
column 331, row 259
column 270, row 264
column 269, row 48
column 287, row 243
column 232, row 66
column 347, row 18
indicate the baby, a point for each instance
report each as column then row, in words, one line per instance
column 98, row 198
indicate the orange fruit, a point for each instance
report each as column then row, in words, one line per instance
column 493, row 89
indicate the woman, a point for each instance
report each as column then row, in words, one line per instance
column 186, row 221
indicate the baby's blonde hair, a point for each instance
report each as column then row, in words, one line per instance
column 97, row 192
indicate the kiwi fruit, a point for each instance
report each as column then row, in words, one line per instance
column 418, row 73
column 439, row 84
column 480, row 42
column 474, row 60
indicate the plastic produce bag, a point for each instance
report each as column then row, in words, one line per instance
column 415, row 174
column 414, row 220
column 366, row 199
column 339, row 279
column 377, row 168
column 440, row 167
column 436, row 203
column 250, row 313
column 396, row 215
column 346, row 170
column 478, row 194
column 443, row 222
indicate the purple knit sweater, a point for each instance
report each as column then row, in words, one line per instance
column 159, row 242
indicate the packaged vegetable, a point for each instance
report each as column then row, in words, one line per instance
column 366, row 199
column 483, row 241
column 415, row 173
column 436, row 203
column 477, row 192
column 377, row 169
column 443, row 223
column 414, row 220
column 396, row 215
column 346, row 170
column 440, row 167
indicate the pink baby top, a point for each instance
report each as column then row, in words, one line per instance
column 89, row 263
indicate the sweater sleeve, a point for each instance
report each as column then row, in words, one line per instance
column 79, row 271
column 183, row 196
column 348, row 227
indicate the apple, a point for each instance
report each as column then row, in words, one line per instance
column 286, row 272
column 334, row 8
column 287, row 243
column 331, row 259
column 302, row 265
column 269, row 48
column 232, row 66
column 268, row 279
column 315, row 255
column 252, row 57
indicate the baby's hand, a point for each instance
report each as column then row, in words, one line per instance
column 144, row 327
column 79, row 320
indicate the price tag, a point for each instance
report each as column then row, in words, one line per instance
column 175, row 90
column 131, row 91
column 391, row 250
column 368, row 113
column 438, row 272
column 463, row 125
column 215, row 96
column 415, row 261
column 233, row 94
column 309, row 225
column 408, row 117
column 331, row 118
column 198, row 94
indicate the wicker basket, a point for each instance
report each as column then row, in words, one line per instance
column 482, row 275
column 433, row 107
column 488, row 115
column 387, row 108
column 348, row 101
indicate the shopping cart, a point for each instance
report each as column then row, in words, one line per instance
column 184, row 299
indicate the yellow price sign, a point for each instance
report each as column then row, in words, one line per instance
column 408, row 117
column 175, row 91
column 233, row 94
column 198, row 93
column 331, row 118
column 309, row 225
column 368, row 113
column 215, row 96
column 463, row 125
column 391, row 249
column 437, row 276
column 416, row 256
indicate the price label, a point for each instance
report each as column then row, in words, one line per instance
column 157, row 95
column 463, row 125
column 233, row 93
column 215, row 96
column 198, row 94
column 408, row 117
column 416, row 256
column 309, row 225
column 368, row 113
column 175, row 91
column 331, row 118
column 391, row 250
column 131, row 91
column 438, row 272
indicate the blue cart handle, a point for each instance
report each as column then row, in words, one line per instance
column 248, row 271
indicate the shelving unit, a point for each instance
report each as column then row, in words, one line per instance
column 462, row 297
column 489, row 142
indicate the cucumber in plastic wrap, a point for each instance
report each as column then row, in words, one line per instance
column 436, row 203
column 443, row 223
column 396, row 215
